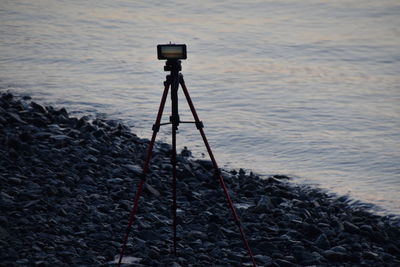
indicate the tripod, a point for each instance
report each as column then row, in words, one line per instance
column 173, row 80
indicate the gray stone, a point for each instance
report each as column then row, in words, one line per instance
column 16, row 118
column 333, row 255
column 148, row 235
column 339, row 249
column 205, row 164
column 38, row 107
column 196, row 235
column 351, row 228
column 134, row 168
column 366, row 228
column 115, row 181
column 370, row 255
column 152, row 190
column 90, row 158
column 264, row 260
column 322, row 242
column 22, row 262
column 15, row 180
column 4, row 235
column 264, row 204
column 284, row 263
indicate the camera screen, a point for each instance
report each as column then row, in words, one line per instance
column 171, row 51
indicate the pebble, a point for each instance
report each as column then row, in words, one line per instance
column 323, row 242
column 134, row 168
column 351, row 228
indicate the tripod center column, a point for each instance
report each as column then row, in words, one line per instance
column 174, row 66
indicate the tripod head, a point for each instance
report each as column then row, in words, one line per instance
column 173, row 65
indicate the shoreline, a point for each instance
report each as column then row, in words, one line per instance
column 67, row 187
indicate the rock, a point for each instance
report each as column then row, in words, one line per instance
column 281, row 177
column 196, row 235
column 351, row 228
column 148, row 235
column 264, row 204
column 186, row 153
column 38, row 107
column 15, row 180
column 393, row 249
column 152, row 190
column 264, row 260
column 14, row 143
column 82, row 122
column 4, row 235
column 339, row 249
column 41, row 135
column 322, row 242
column 370, row 255
column 284, row 263
column 153, row 254
column 205, row 164
column 99, row 133
column 63, row 112
column 166, row 167
column 313, row 258
column 273, row 180
column 25, row 137
column 22, row 262
column 2, row 120
column 312, row 230
column 90, row 158
column 137, row 170
column 333, row 255
column 14, row 117
column 366, row 228
column 60, row 137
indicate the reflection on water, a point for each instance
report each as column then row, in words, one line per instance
column 304, row 89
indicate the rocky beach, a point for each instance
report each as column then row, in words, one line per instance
column 67, row 186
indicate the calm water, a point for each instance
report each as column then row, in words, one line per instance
column 303, row 88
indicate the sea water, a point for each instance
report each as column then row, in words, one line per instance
column 308, row 89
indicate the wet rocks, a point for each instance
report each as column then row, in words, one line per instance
column 67, row 186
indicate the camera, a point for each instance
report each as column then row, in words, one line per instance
column 171, row 51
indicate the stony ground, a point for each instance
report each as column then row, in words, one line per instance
column 67, row 186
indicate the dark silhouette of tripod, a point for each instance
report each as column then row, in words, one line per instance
column 173, row 80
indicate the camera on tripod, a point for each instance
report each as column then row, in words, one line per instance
column 171, row 51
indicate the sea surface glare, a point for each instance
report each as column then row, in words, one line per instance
column 309, row 89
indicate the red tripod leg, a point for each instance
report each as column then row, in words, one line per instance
column 199, row 126
column 156, row 127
